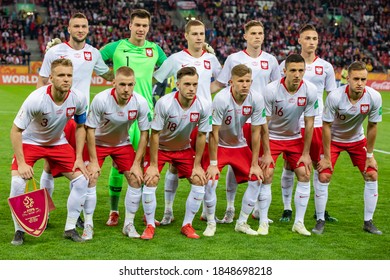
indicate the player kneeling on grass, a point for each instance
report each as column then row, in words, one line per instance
column 111, row 114
column 37, row 133
column 344, row 113
column 176, row 115
column 232, row 107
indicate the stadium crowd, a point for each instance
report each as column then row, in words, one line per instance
column 13, row 31
column 360, row 32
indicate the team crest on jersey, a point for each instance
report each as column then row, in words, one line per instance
column 88, row 56
column 301, row 101
column 70, row 112
column 364, row 108
column 246, row 110
column 207, row 64
column 149, row 52
column 132, row 114
column 194, row 117
column 319, row 70
column 264, row 65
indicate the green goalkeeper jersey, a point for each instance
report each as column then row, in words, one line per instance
column 142, row 60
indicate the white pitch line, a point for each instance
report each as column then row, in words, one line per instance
column 383, row 152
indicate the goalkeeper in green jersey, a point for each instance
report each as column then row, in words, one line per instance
column 142, row 56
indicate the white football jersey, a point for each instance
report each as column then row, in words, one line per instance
column 321, row 74
column 348, row 118
column 176, row 124
column 207, row 66
column 84, row 61
column 44, row 121
column 112, row 122
column 265, row 69
column 285, row 109
column 231, row 117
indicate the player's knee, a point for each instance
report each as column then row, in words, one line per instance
column 324, row 177
column 196, row 181
column 18, row 185
column 303, row 176
column 370, row 176
column 132, row 181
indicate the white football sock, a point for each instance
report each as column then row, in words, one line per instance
column 231, row 187
column 287, row 182
column 210, row 200
column 193, row 202
column 170, row 188
column 249, row 200
column 149, row 203
column 302, row 195
column 370, row 199
column 264, row 201
column 18, row 186
column 90, row 206
column 132, row 200
column 47, row 182
column 320, row 199
column 76, row 200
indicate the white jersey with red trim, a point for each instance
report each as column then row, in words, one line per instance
column 44, row 121
column 284, row 109
column 321, row 74
column 207, row 66
column 265, row 69
column 84, row 61
column 112, row 122
column 347, row 118
column 176, row 124
column 231, row 117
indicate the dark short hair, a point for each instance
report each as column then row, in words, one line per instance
column 191, row 23
column 61, row 62
column 186, row 71
column 241, row 70
column 252, row 23
column 141, row 13
column 294, row 58
column 307, row 27
column 125, row 71
column 356, row 66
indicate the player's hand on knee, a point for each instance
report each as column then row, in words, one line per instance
column 136, row 174
column 324, row 164
column 79, row 164
column 212, row 173
column 52, row 43
column 199, row 175
column 93, row 169
column 256, row 171
column 151, row 176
